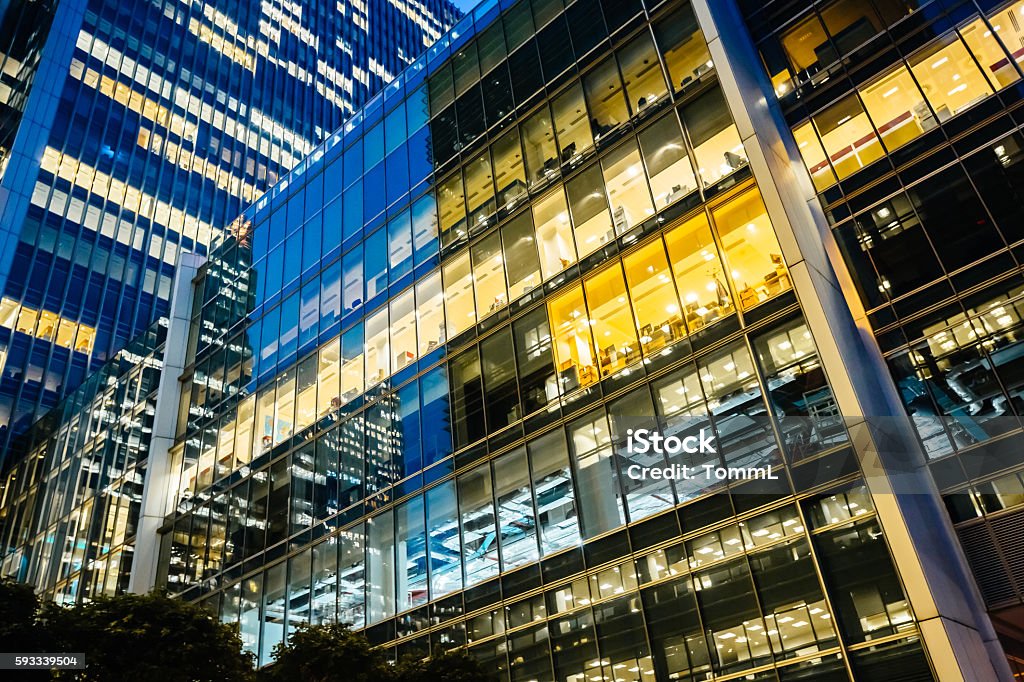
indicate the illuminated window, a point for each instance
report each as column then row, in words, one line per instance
column 403, row 329
column 627, row 187
column 352, row 363
column 84, row 339
column 27, row 321
column 641, row 69
column 571, row 124
column 479, row 190
column 328, row 377
column 47, row 327
column 655, row 303
column 284, row 413
column 429, row 312
column 984, row 44
column 574, row 350
column 814, row 156
column 589, row 206
column 847, row 135
column 522, row 265
column 305, row 399
column 244, row 431
column 451, row 207
column 539, row 148
column 1009, row 29
column 751, row 249
column 611, row 320
column 604, row 98
column 460, row 312
column 509, row 176
column 554, row 235
column 716, row 142
column 378, row 365
column 488, row 275
column 897, row 108
column 698, row 271
column 949, row 77
column 668, row 166
column 9, row 312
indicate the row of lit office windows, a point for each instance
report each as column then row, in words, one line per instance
column 684, row 591
column 399, row 435
column 634, row 308
column 46, row 325
column 937, row 82
column 627, row 186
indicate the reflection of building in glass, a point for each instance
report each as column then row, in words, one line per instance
column 407, row 382
column 155, row 124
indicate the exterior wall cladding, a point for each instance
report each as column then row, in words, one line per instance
column 401, row 388
column 154, row 124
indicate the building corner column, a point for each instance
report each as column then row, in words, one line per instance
column 954, row 626
column 158, row 478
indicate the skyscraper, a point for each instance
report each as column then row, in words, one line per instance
column 412, row 375
column 134, row 131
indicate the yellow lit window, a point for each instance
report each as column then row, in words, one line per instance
column 430, row 312
column 554, row 235
column 225, row 448
column 285, row 407
column 814, row 156
column 668, row 166
column 572, row 127
column 328, row 377
column 627, row 187
column 574, row 350
column 751, row 249
column 305, row 400
column 488, row 275
column 847, row 135
column 949, row 77
column 897, row 108
column 589, row 207
column 985, row 46
column 352, row 363
column 378, row 365
column 403, row 329
column 9, row 312
column 451, row 208
column 698, row 271
column 656, row 307
column 27, row 320
column 244, row 430
column 611, row 321
column 66, row 333
column 460, row 311
column 47, row 327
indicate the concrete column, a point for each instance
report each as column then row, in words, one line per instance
column 156, row 492
column 955, row 628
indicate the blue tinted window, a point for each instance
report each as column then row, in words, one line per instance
column 292, row 258
column 278, row 221
column 375, row 264
column 295, row 213
column 352, row 221
column 275, row 270
column 332, row 225
column 311, row 246
column 330, row 295
column 314, row 195
column 289, row 328
column 437, row 440
column 394, row 133
column 309, row 314
column 352, row 279
column 373, row 147
column 354, row 162
column 397, row 175
column 269, row 341
column 420, row 163
column 400, row 245
column 409, row 423
column 424, row 227
column 417, row 109
column 373, row 197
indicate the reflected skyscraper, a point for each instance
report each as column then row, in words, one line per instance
column 133, row 131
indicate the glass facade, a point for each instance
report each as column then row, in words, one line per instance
column 527, row 247
column 416, row 368
column 157, row 124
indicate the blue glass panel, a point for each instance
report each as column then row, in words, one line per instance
column 437, row 440
column 400, row 245
column 352, row 220
column 375, row 264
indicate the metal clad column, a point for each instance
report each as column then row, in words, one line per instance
column 157, row 484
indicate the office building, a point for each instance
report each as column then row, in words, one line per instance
column 133, row 131
column 410, row 376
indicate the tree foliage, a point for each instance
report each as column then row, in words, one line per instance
column 152, row 638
